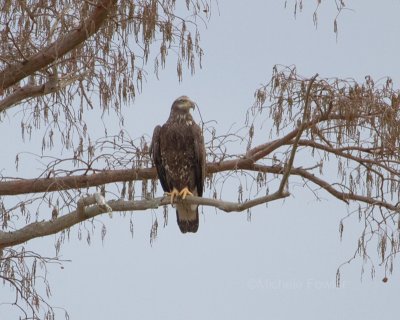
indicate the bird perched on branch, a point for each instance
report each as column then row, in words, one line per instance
column 178, row 152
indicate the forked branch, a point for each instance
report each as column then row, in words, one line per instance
column 302, row 126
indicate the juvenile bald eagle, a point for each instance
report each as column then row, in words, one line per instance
column 178, row 152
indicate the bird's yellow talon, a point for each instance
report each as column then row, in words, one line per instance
column 173, row 194
column 185, row 192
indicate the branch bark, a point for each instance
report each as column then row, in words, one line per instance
column 16, row 72
column 91, row 206
column 31, row 91
column 25, row 186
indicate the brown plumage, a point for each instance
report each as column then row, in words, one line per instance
column 178, row 152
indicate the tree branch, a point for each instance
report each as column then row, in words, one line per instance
column 16, row 72
column 303, row 125
column 31, row 91
column 341, row 152
column 25, row 186
column 344, row 196
column 91, row 206
column 262, row 150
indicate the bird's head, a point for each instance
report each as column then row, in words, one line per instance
column 183, row 105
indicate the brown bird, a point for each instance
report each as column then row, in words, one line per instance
column 178, row 152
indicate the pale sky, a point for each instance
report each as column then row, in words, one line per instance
column 282, row 264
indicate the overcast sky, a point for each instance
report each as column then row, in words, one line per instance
column 282, row 264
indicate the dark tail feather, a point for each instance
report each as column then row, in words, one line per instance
column 188, row 219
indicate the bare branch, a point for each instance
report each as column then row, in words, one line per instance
column 341, row 152
column 302, row 127
column 31, row 91
column 16, row 72
column 263, row 150
column 25, row 186
column 85, row 212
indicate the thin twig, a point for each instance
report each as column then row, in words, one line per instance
column 302, row 127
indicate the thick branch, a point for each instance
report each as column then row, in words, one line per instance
column 265, row 149
column 31, row 91
column 25, row 186
column 344, row 196
column 84, row 212
column 16, row 72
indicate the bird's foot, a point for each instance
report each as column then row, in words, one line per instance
column 173, row 194
column 185, row 192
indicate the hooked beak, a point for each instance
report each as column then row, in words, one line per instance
column 184, row 103
column 189, row 105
